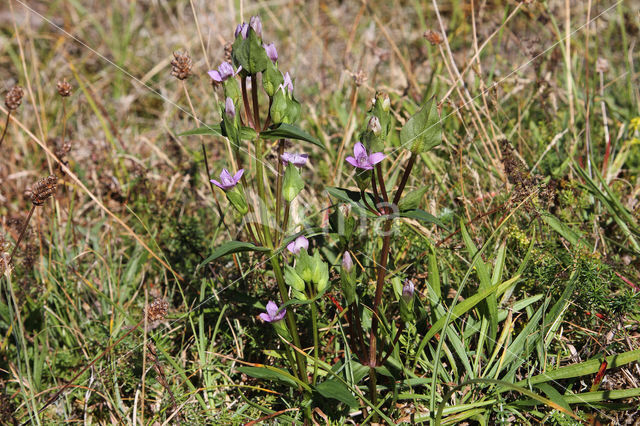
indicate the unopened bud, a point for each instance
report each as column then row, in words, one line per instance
column 374, row 125
column 407, row 290
column 347, row 263
column 230, row 108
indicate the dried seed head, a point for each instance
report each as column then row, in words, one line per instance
column 360, row 78
column 157, row 310
column 13, row 98
column 228, row 51
column 181, row 64
column 43, row 189
column 64, row 88
column 602, row 65
column 433, row 37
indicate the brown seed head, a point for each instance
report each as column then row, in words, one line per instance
column 433, row 37
column 64, row 88
column 602, row 65
column 13, row 98
column 228, row 51
column 181, row 64
column 157, row 310
column 360, row 78
column 43, row 189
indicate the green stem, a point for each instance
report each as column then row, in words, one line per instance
column 279, row 189
column 6, row 126
column 314, row 321
column 291, row 320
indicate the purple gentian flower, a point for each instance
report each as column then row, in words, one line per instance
column 256, row 24
column 347, row 263
column 297, row 160
column 229, row 108
column 407, row 290
column 273, row 314
column 298, row 244
column 224, row 71
column 226, row 180
column 272, row 53
column 288, row 84
column 362, row 160
column 242, row 29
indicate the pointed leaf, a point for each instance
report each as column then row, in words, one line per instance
column 289, row 131
column 337, row 390
column 423, row 130
column 232, row 247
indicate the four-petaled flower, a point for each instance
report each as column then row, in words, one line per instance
column 224, row 71
column 297, row 160
column 226, row 180
column 298, row 244
column 272, row 53
column 273, row 314
column 362, row 160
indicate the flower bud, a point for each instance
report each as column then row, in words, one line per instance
column 374, row 125
column 383, row 98
column 407, row 290
column 347, row 263
column 256, row 24
column 236, row 198
column 272, row 53
column 230, row 108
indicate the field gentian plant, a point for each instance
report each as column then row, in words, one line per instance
column 260, row 106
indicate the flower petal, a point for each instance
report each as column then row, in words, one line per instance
column 272, row 308
column 215, row 75
column 359, row 150
column 218, row 184
column 376, row 157
column 352, row 161
column 302, row 242
column 238, row 175
column 265, row 317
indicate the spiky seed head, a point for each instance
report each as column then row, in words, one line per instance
column 360, row 78
column 64, row 88
column 181, row 65
column 433, row 37
column 13, row 98
column 157, row 310
column 43, row 189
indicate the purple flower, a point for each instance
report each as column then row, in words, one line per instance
column 297, row 160
column 242, row 29
column 362, row 160
column 230, row 108
column 224, row 71
column 273, row 314
column 256, row 24
column 287, row 85
column 299, row 243
column 272, row 53
column 226, row 180
column 347, row 263
column 407, row 290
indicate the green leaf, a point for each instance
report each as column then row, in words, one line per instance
column 232, row 247
column 246, row 133
column 582, row 369
column 337, row 390
column 289, row 131
column 352, row 198
column 250, row 54
column 423, row 131
column 412, row 199
column 269, row 374
column 422, row 216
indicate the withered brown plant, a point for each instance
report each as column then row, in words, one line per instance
column 181, row 65
column 40, row 192
column 64, row 90
column 12, row 101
